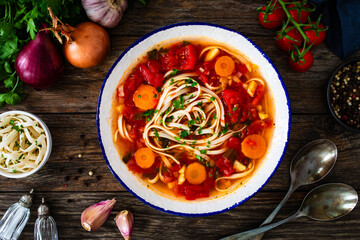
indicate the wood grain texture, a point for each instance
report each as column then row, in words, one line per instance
column 75, row 134
column 69, row 109
column 153, row 224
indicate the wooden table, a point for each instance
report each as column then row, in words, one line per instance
column 69, row 109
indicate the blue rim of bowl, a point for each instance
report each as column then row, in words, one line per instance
column 98, row 119
column 338, row 68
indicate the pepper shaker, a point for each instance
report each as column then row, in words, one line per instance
column 45, row 225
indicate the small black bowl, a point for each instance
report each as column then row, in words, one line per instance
column 351, row 61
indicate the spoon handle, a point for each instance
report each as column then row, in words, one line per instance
column 276, row 210
column 254, row 232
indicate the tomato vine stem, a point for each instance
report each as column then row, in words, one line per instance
column 297, row 25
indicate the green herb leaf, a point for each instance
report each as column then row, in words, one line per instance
column 184, row 134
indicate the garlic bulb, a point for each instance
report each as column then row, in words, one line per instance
column 107, row 13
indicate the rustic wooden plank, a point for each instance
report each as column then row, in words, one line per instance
column 153, row 224
column 78, row 90
column 239, row 15
column 76, row 134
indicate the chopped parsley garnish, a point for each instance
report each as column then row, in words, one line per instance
column 199, row 103
column 14, row 170
column 177, row 139
column 174, row 72
column 167, row 110
column 148, row 113
column 171, row 81
column 198, row 119
column 191, row 122
column 139, row 96
column 189, row 80
column 203, row 151
column 212, row 99
column 158, row 89
column 194, row 84
column 225, row 129
column 36, row 142
column 191, row 96
column 155, row 95
column 169, row 119
column 234, row 109
column 12, row 122
column 176, row 104
column 215, row 117
column 182, row 102
column 200, row 130
column 198, row 157
column 156, row 133
column 184, row 134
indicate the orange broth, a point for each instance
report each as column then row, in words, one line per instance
column 122, row 102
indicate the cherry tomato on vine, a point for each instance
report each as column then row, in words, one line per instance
column 271, row 18
column 315, row 36
column 301, row 64
column 286, row 44
column 299, row 15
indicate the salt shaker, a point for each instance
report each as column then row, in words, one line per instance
column 45, row 226
column 15, row 218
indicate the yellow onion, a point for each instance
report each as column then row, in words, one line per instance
column 86, row 45
column 94, row 216
column 125, row 222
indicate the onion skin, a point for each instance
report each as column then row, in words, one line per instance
column 87, row 46
column 39, row 64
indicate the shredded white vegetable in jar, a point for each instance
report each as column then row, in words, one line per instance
column 23, row 143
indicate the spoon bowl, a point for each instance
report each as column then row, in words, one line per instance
column 313, row 162
column 310, row 164
column 329, row 201
column 324, row 203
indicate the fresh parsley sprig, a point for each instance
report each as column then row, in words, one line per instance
column 19, row 22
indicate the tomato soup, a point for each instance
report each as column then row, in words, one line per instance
column 194, row 118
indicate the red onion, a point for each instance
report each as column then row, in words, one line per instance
column 39, row 64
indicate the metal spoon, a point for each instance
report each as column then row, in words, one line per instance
column 310, row 164
column 324, row 203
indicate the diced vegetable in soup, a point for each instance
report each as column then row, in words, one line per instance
column 197, row 116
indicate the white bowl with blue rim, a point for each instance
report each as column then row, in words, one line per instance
column 277, row 146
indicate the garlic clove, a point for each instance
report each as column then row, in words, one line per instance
column 94, row 216
column 125, row 222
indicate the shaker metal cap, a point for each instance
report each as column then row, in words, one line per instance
column 26, row 199
column 43, row 209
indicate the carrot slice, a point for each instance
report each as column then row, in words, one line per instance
column 253, row 146
column 146, row 97
column 224, row 66
column 195, row 173
column 144, row 157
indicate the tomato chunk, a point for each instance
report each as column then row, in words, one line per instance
column 150, row 73
column 188, row 58
column 237, row 102
column 224, row 165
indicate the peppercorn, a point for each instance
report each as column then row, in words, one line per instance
column 344, row 94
